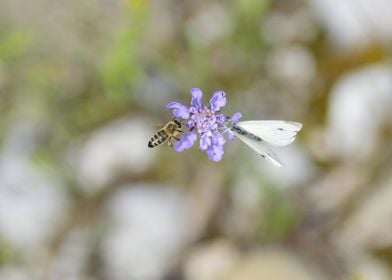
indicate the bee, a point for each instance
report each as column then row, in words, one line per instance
column 171, row 131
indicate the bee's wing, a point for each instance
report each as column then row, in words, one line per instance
column 277, row 133
column 260, row 148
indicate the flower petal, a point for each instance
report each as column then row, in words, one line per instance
column 205, row 141
column 236, row 117
column 218, row 139
column 179, row 110
column 186, row 142
column 197, row 97
column 221, row 118
column 215, row 152
column 231, row 136
column 190, row 123
column 218, row 100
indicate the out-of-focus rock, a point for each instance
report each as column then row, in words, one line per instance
column 220, row 260
column 8, row 272
column 242, row 218
column 163, row 19
column 30, row 213
column 148, row 230
column 211, row 261
column 297, row 167
column 283, row 64
column 154, row 83
column 352, row 24
column 59, row 25
column 116, row 149
column 73, row 255
column 332, row 193
column 31, row 204
column 293, row 27
column 371, row 269
column 369, row 226
column 360, row 104
column 209, row 24
column 274, row 264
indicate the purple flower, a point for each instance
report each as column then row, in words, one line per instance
column 186, row 142
column 179, row 110
column 204, row 121
column 218, row 100
column 233, row 119
column 215, row 153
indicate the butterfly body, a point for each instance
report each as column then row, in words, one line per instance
column 243, row 132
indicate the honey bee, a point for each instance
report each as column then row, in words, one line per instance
column 171, row 131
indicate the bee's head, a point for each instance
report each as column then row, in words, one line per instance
column 173, row 126
column 177, row 122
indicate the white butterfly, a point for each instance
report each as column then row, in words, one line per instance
column 256, row 134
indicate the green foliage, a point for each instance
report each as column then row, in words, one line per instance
column 121, row 68
column 279, row 215
column 14, row 44
column 6, row 252
column 248, row 15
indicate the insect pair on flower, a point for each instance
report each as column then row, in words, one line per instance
column 209, row 125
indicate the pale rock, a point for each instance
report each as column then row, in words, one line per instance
column 371, row 269
column 283, row 63
column 118, row 148
column 359, row 105
column 10, row 272
column 277, row 264
column 211, row 261
column 73, row 255
column 331, row 193
column 209, row 24
column 297, row 167
column 147, row 231
column 280, row 28
column 32, row 205
column 368, row 227
column 353, row 24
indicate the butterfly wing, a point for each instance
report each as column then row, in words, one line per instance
column 260, row 148
column 277, row 133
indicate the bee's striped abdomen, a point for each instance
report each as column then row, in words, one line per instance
column 158, row 138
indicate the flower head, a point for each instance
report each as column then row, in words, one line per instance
column 205, row 121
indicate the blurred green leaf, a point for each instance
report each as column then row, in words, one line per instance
column 279, row 215
column 248, row 18
column 6, row 251
column 14, row 44
column 121, row 69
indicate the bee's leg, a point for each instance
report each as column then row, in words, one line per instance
column 223, row 130
column 170, row 142
column 178, row 136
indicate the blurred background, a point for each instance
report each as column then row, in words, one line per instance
column 84, row 85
